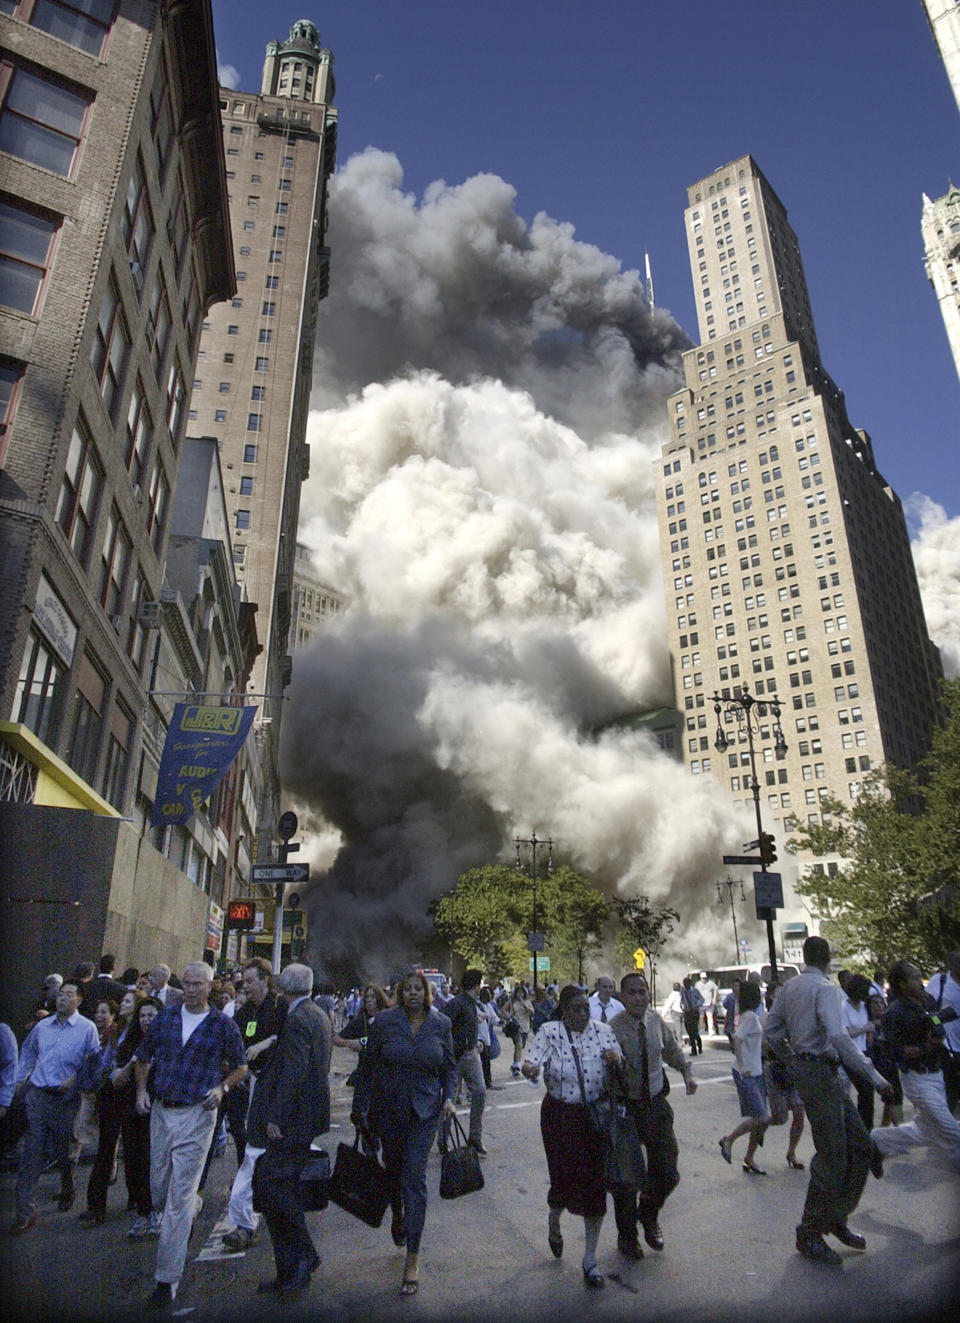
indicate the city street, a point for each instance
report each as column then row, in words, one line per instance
column 729, row 1240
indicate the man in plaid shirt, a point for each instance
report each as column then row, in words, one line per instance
column 188, row 1047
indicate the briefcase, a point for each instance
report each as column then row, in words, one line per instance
column 359, row 1184
column 460, row 1165
column 315, row 1181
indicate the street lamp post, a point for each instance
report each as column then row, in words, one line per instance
column 730, row 883
column 534, row 944
column 749, row 711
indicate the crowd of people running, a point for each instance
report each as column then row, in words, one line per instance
column 160, row 1071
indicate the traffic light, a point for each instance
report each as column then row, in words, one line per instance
column 768, row 849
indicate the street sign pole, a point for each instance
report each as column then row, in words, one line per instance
column 286, row 828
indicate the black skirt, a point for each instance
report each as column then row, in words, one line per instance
column 576, row 1156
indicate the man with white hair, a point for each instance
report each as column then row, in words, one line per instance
column 290, row 1105
column 161, row 988
column 603, row 1004
column 188, row 1045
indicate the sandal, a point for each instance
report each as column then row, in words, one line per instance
column 751, row 1170
column 792, row 1162
column 725, row 1149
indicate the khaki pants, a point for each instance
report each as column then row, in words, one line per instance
column 179, row 1140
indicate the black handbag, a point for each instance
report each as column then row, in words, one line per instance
column 460, row 1165
column 315, row 1181
column 359, row 1184
column 624, row 1166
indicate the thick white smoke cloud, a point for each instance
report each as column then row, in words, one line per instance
column 936, row 554
column 491, row 399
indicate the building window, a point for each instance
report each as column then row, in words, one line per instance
column 272, row 282
column 243, row 519
column 220, row 416
column 11, row 375
column 26, row 244
column 118, row 755
column 157, row 501
column 39, row 689
column 268, row 310
column 176, row 394
column 253, row 422
column 79, row 494
column 84, row 741
column 261, row 365
column 246, row 486
column 114, row 564
column 40, row 121
column 138, row 227
column 250, row 454
column 161, row 119
column 139, row 428
column 111, row 347
column 157, row 327
column 257, row 392
column 265, row 335
column 80, row 23
column 224, row 388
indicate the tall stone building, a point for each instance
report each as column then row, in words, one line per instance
column 254, row 374
column 113, row 246
column 944, row 19
column 940, row 221
column 940, row 226
column 314, row 601
column 786, row 558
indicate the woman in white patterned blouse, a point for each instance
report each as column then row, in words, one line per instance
column 574, row 1052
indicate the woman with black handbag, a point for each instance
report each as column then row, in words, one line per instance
column 574, row 1052
column 409, row 1075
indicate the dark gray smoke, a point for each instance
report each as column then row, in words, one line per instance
column 489, row 405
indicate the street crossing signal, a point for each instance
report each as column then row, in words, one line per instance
column 768, row 849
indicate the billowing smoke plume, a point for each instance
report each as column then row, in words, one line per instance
column 936, row 554
column 490, row 402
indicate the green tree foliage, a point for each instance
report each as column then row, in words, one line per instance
column 487, row 915
column 896, row 893
column 644, row 923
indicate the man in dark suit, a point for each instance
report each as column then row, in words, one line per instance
column 291, row 1104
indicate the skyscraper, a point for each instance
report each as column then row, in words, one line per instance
column 255, row 367
column 940, row 222
column 787, row 562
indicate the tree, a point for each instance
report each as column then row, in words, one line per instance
column 480, row 916
column 487, row 915
column 896, row 892
column 646, row 924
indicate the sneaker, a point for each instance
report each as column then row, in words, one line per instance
column 515, row 1070
column 238, row 1239
column 140, row 1228
column 155, row 1219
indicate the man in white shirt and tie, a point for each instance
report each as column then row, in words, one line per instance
column 603, row 1004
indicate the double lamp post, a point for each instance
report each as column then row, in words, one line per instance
column 749, row 713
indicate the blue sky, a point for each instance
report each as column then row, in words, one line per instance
column 601, row 114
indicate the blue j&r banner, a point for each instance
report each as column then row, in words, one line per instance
column 201, row 744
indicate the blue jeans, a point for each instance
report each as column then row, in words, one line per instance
column 471, row 1070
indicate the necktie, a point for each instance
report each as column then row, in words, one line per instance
column 603, row 1014
column 644, row 1069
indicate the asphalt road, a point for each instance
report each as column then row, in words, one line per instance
column 729, row 1241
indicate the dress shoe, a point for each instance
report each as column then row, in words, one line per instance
column 477, row 1146
column 593, row 1277
column 853, row 1239
column 269, row 1288
column 65, row 1202
column 299, row 1280
column 629, row 1247
column 813, row 1246
column 652, row 1234
column 163, row 1294
column 22, row 1224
